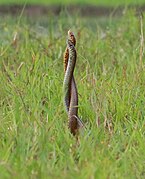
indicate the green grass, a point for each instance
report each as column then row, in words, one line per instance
column 34, row 139
column 66, row 2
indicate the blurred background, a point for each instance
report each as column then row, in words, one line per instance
column 82, row 2
column 55, row 7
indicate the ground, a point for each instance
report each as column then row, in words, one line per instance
column 110, row 76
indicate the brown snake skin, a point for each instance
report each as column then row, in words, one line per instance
column 71, row 100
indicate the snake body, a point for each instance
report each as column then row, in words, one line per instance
column 70, row 89
column 73, row 89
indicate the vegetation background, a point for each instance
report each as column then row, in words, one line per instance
column 34, row 138
column 92, row 2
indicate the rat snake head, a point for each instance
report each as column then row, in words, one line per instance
column 71, row 37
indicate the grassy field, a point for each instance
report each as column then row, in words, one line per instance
column 65, row 2
column 34, row 139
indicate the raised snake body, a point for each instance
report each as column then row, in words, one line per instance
column 70, row 89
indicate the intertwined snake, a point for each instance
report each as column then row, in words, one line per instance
column 70, row 89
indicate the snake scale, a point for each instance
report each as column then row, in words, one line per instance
column 70, row 88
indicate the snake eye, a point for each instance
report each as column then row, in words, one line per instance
column 71, row 45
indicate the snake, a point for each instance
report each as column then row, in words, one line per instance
column 73, row 88
column 70, row 88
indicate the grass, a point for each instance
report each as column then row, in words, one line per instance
column 34, row 139
column 66, row 2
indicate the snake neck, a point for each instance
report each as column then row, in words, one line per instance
column 65, row 61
